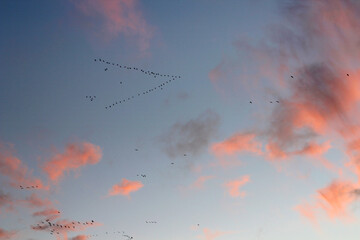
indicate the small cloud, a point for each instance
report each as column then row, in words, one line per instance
column 199, row 183
column 233, row 187
column 125, row 187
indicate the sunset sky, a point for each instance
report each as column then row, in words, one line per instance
column 254, row 135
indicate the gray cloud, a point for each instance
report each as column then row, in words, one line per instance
column 191, row 137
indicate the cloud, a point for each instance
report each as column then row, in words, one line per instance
column 80, row 237
column 13, row 168
column 76, row 155
column 211, row 235
column 316, row 43
column 117, row 18
column 49, row 213
column 62, row 227
column 6, row 201
column 233, row 187
column 200, row 181
column 191, row 137
column 125, row 187
column 239, row 142
column 6, row 234
column 334, row 200
column 34, row 201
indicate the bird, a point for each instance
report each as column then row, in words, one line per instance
column 292, row 76
column 277, row 101
column 250, row 102
column 106, row 69
column 347, row 74
column 136, row 149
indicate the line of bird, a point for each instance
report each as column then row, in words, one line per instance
column 147, row 72
column 109, row 234
column 158, row 87
column 277, row 101
column 150, row 222
column 56, row 228
column 29, row 187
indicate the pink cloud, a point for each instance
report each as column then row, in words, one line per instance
column 49, row 213
column 6, row 234
column 334, row 200
column 321, row 99
column 15, row 170
column 76, row 155
column 118, row 17
column 80, row 237
column 237, row 143
column 233, row 187
column 200, row 181
column 211, row 235
column 125, row 187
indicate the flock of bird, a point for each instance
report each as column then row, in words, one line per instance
column 29, row 187
column 91, row 97
column 160, row 86
column 109, row 234
column 150, row 222
column 55, row 228
column 147, row 72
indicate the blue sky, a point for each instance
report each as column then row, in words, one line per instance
column 194, row 138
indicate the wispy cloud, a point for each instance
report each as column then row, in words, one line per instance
column 6, row 234
column 233, row 186
column 15, row 170
column 200, row 181
column 117, row 18
column 334, row 200
column 212, row 235
column 76, row 155
column 191, row 137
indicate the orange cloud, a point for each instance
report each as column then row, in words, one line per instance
column 237, row 143
column 125, row 187
column 75, row 156
column 80, row 237
column 233, row 187
column 334, row 200
column 118, row 17
column 209, row 235
column 6, row 234
column 199, row 183
column 321, row 99
column 50, row 213
column 13, row 168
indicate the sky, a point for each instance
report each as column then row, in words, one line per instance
column 192, row 119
